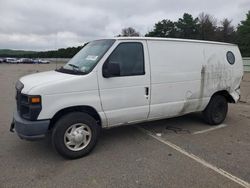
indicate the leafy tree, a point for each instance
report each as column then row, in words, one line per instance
column 207, row 27
column 187, row 27
column 204, row 28
column 164, row 28
column 226, row 32
column 243, row 36
column 129, row 32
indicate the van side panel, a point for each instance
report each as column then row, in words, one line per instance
column 219, row 74
column 176, row 81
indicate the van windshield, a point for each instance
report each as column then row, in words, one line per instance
column 86, row 59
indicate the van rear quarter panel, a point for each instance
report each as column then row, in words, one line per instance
column 218, row 73
column 176, row 69
column 184, row 75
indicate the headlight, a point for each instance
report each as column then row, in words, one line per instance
column 29, row 106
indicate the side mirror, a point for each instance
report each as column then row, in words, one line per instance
column 111, row 70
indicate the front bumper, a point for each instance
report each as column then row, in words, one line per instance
column 29, row 130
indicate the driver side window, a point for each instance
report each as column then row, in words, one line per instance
column 129, row 57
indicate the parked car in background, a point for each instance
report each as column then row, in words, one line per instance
column 20, row 60
column 26, row 61
column 44, row 61
column 23, row 61
column 40, row 61
column 11, row 60
column 36, row 61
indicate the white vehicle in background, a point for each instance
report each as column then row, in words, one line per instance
column 22, row 60
column 40, row 61
column 27, row 61
column 120, row 81
column 11, row 60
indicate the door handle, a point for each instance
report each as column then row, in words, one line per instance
column 146, row 92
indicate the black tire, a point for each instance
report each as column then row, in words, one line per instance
column 216, row 110
column 64, row 123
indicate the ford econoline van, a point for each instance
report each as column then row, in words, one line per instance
column 128, row 80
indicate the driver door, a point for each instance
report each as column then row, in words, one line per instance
column 125, row 95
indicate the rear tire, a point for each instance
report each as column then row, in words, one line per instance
column 216, row 110
column 75, row 135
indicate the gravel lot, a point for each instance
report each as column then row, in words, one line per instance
column 176, row 152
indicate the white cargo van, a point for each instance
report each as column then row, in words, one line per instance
column 119, row 81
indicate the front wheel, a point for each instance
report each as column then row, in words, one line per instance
column 216, row 110
column 75, row 135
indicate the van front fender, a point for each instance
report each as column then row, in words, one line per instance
column 52, row 104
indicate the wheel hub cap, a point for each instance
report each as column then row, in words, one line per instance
column 77, row 136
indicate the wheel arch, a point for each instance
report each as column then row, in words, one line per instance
column 86, row 109
column 226, row 94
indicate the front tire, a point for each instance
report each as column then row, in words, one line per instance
column 75, row 135
column 216, row 110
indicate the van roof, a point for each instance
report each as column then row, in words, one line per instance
column 173, row 39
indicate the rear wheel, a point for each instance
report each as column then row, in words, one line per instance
column 75, row 135
column 216, row 110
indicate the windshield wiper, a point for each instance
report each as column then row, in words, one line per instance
column 75, row 70
column 75, row 67
column 70, row 71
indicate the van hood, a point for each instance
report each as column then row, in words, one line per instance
column 37, row 79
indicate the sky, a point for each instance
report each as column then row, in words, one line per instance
column 52, row 24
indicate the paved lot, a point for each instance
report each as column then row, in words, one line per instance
column 177, row 152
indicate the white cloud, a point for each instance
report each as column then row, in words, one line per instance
column 40, row 25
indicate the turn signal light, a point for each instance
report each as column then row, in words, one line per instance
column 35, row 100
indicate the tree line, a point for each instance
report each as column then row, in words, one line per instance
column 203, row 27
column 60, row 53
